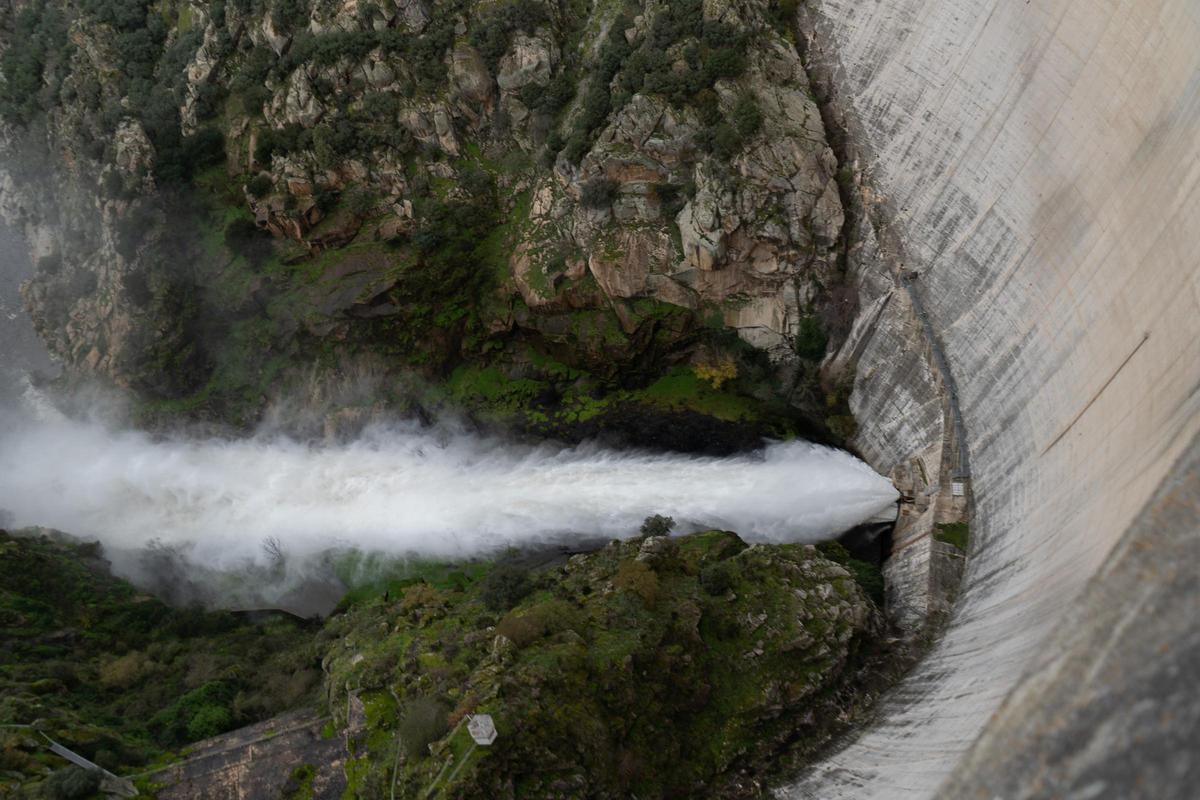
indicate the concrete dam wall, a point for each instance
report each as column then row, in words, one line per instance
column 1030, row 327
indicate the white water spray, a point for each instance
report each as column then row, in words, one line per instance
column 407, row 490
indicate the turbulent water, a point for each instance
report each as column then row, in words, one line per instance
column 408, row 490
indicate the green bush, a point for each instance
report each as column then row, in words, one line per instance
column 747, row 117
column 287, row 14
column 209, row 721
column 811, row 339
column 725, row 141
column 716, row 579
column 492, row 34
column 505, row 586
column 672, row 197
column 260, row 185
column 783, row 13
column 200, row 713
column 34, row 62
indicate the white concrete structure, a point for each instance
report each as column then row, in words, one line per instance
column 1037, row 163
column 482, row 729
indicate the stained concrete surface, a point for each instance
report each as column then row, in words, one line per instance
column 1035, row 167
column 258, row 762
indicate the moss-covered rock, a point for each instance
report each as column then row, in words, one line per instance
column 652, row 668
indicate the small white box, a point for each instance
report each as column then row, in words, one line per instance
column 482, row 729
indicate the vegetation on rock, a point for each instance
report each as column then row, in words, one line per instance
column 118, row 676
column 403, row 161
column 627, row 671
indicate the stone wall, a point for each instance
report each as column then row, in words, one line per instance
column 1032, row 169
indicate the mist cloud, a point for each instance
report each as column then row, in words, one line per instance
column 407, row 490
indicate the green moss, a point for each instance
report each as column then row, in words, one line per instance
column 955, row 533
column 682, row 389
column 300, row 783
column 369, row 575
column 489, row 388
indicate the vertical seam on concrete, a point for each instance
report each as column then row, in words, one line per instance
column 1096, row 396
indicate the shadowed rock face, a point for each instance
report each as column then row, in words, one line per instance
column 1035, row 165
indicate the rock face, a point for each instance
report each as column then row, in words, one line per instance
column 643, row 164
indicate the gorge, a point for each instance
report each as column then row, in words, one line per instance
column 956, row 238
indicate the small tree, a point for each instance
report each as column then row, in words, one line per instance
column 260, row 185
column 657, row 525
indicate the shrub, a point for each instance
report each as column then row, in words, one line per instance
column 260, row 185
column 203, row 149
column 49, row 264
column 747, row 117
column 843, row 426
column 726, row 141
column 811, row 339
column 201, row 713
column 479, row 185
column 521, row 629
column 286, row 13
column 599, row 193
column 657, row 525
column 209, row 721
column 640, row 579
column 31, row 65
column 360, row 202
column 125, row 671
column 717, row 579
column 493, row 34
column 505, row 586
column 423, row 723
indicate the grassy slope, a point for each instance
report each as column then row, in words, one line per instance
column 118, row 676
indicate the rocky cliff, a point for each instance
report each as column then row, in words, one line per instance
column 227, row 198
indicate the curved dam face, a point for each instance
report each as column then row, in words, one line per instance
column 1031, row 242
